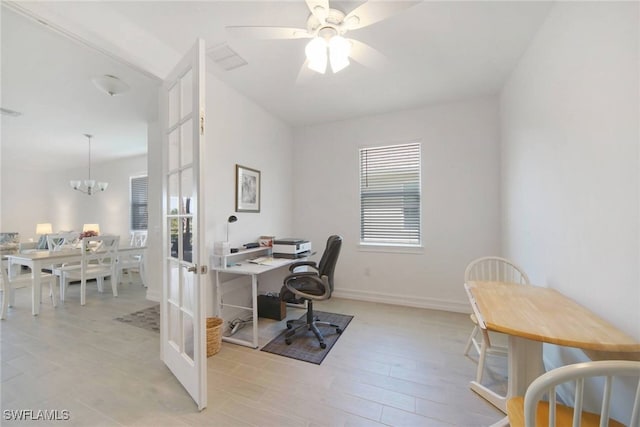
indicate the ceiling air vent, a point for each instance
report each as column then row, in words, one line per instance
column 8, row 112
column 226, row 57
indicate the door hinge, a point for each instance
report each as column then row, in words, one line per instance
column 204, row 269
column 201, row 123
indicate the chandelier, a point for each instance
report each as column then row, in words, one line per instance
column 88, row 186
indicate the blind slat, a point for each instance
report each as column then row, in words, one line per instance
column 139, row 203
column 390, row 194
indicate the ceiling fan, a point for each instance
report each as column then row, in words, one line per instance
column 326, row 27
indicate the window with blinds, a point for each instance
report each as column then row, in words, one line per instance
column 139, row 203
column 390, row 195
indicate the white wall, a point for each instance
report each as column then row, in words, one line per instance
column 460, row 183
column 46, row 197
column 25, row 201
column 153, row 258
column 570, row 161
column 240, row 132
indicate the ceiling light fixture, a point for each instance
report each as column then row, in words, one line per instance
column 110, row 85
column 88, row 186
column 328, row 44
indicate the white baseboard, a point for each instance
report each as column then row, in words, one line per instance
column 403, row 300
column 154, row 295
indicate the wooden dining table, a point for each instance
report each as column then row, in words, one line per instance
column 37, row 260
column 532, row 315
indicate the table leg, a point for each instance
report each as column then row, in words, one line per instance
column 524, row 366
column 35, row 289
column 254, row 297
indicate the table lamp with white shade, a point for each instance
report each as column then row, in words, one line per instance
column 91, row 227
column 44, row 228
column 90, row 230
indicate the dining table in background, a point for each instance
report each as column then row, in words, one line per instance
column 37, row 260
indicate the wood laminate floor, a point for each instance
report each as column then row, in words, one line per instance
column 393, row 365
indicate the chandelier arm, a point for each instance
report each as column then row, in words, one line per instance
column 89, row 183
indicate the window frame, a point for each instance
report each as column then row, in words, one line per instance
column 131, row 202
column 387, row 246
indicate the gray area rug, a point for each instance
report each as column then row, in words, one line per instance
column 148, row 318
column 304, row 345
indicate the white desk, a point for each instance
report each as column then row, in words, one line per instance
column 239, row 265
column 38, row 260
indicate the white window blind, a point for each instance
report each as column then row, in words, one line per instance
column 390, row 195
column 139, row 203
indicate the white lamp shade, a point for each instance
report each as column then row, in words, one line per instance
column 44, row 228
column 75, row 184
column 339, row 51
column 102, row 186
column 91, row 227
column 89, row 183
column 316, row 52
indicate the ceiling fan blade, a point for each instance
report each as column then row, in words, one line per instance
column 269, row 32
column 366, row 55
column 319, row 8
column 374, row 11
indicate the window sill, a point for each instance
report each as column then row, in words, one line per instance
column 395, row 249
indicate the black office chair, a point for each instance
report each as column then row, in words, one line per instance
column 314, row 283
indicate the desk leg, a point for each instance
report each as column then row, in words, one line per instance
column 254, row 297
column 524, row 366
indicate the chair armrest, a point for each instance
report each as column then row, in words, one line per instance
column 321, row 281
column 297, row 264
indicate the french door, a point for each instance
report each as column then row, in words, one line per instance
column 183, row 308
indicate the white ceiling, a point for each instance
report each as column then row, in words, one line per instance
column 435, row 51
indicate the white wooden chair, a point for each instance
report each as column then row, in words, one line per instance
column 8, row 285
column 530, row 411
column 489, row 268
column 99, row 258
column 60, row 241
column 127, row 263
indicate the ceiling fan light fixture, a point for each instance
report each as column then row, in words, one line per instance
column 111, row 85
column 316, row 52
column 339, row 51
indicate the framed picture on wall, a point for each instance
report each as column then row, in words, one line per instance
column 247, row 189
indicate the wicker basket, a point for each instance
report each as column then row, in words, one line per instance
column 214, row 335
